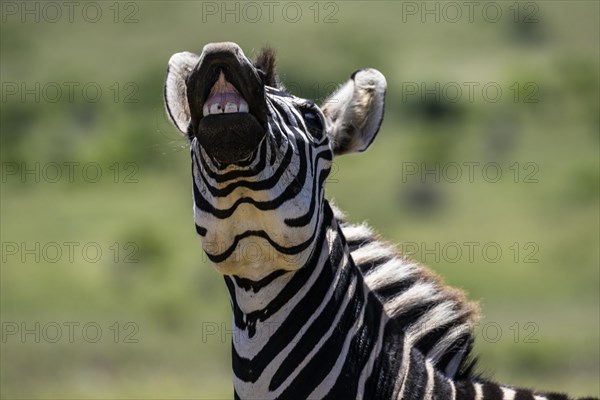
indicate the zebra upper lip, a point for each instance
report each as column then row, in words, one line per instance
column 232, row 83
column 237, row 80
column 224, row 82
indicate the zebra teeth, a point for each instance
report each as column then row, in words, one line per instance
column 231, row 108
column 224, row 98
column 209, row 108
column 216, row 109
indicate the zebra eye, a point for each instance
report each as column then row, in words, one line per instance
column 313, row 122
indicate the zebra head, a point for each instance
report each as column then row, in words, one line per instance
column 260, row 156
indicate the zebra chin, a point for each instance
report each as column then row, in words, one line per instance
column 256, row 258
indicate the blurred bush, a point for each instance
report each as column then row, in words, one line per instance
column 163, row 312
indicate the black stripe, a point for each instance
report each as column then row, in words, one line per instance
column 324, row 360
column 255, row 286
column 555, row 396
column 318, row 186
column 265, row 184
column 296, row 282
column 250, row 370
column 379, row 260
column 238, row 173
column 431, row 338
column 165, row 97
column 492, row 391
column 442, row 390
column 356, row 243
column 465, row 390
column 290, row 119
column 396, row 288
column 380, row 384
column 452, row 350
column 272, row 150
column 290, row 192
column 200, row 230
column 524, row 395
column 407, row 317
column 346, row 385
column 313, row 334
column 416, row 377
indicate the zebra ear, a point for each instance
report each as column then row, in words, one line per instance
column 175, row 91
column 355, row 111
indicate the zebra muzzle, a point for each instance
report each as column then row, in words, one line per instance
column 226, row 97
column 227, row 131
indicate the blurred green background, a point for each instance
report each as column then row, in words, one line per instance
column 105, row 292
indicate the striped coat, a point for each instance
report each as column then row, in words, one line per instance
column 321, row 307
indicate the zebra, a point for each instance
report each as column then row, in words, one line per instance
column 322, row 308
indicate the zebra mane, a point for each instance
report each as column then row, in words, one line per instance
column 266, row 62
column 436, row 318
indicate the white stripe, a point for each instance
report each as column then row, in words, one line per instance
column 355, row 232
column 430, row 380
column 249, row 347
column 258, row 195
column 251, row 301
column 509, row 394
column 403, row 372
column 261, row 387
column 325, row 386
column 478, row 391
column 448, row 340
column 395, row 270
column 370, row 252
column 418, row 294
column 440, row 315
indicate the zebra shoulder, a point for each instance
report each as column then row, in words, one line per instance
column 436, row 318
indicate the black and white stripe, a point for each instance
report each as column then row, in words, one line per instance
column 323, row 333
column 241, row 207
column 322, row 308
column 438, row 318
column 357, row 320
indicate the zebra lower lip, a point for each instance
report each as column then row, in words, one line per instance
column 230, row 137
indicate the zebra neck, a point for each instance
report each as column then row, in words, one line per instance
column 300, row 334
column 265, row 303
column 275, row 312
